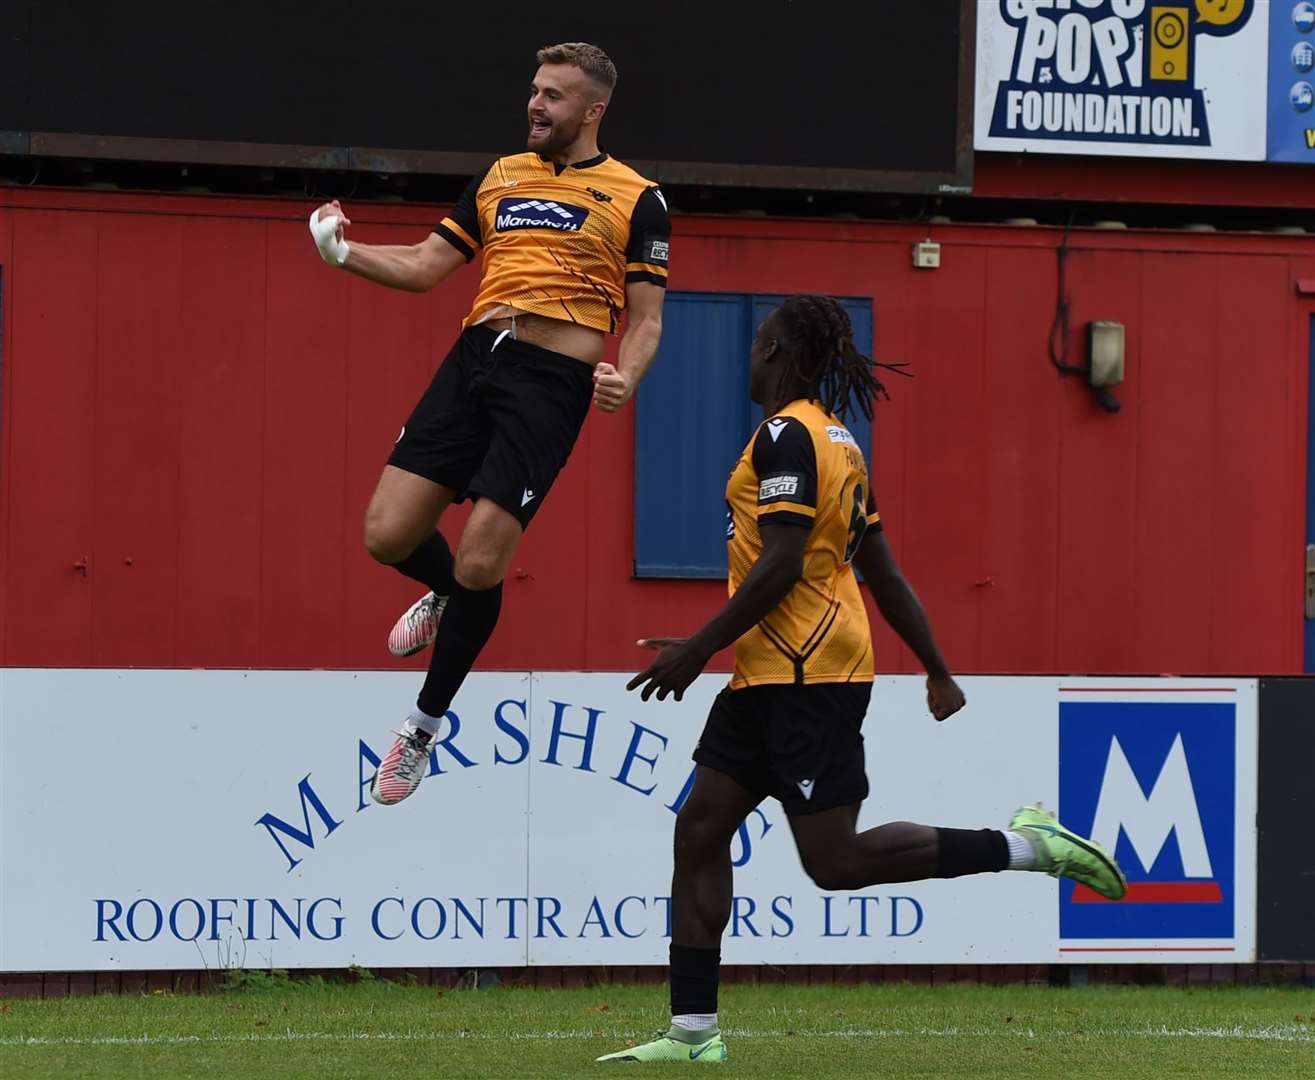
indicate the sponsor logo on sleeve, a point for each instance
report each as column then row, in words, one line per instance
column 774, row 487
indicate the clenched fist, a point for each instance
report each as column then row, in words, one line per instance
column 611, row 388
column 326, row 228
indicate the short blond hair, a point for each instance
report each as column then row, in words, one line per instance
column 588, row 58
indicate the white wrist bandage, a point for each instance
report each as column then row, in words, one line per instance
column 325, row 233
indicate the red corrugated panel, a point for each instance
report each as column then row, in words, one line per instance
column 1097, row 512
column 1139, row 180
column 136, row 458
column 201, row 394
column 221, row 365
column 305, row 514
column 1258, row 581
column 1019, row 519
column 52, row 438
column 6, row 388
column 945, row 499
column 896, row 289
column 1170, row 614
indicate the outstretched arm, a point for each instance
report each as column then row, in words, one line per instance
column 782, row 450
column 415, row 267
column 770, row 579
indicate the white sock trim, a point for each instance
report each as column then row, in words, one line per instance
column 1022, row 855
column 694, row 1021
column 425, row 722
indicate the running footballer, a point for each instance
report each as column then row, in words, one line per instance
column 788, row 725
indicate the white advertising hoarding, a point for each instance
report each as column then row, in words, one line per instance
column 1185, row 79
column 184, row 819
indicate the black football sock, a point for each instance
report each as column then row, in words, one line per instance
column 465, row 628
column 970, row 851
column 430, row 564
column 695, row 975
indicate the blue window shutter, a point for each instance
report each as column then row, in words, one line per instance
column 692, row 420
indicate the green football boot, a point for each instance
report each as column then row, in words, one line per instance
column 710, row 1051
column 1061, row 852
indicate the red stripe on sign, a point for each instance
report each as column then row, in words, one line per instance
column 1157, row 892
column 1153, row 948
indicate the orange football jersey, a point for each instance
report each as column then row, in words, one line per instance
column 561, row 240
column 804, row 468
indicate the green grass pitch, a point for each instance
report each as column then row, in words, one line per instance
column 372, row 1029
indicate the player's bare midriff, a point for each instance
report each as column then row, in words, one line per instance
column 584, row 343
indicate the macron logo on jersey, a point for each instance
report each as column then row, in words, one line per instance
column 539, row 214
column 1155, row 783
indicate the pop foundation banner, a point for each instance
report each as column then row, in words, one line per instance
column 222, row 818
column 1186, row 79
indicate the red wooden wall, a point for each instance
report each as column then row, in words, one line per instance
column 199, row 408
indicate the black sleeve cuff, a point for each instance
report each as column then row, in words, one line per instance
column 456, row 241
column 645, row 275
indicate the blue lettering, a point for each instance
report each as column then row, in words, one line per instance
column 665, row 901
column 275, row 908
column 558, row 715
column 337, row 919
column 415, row 919
column 633, row 755
column 461, row 909
column 746, row 845
column 522, row 740
column 595, row 917
column 894, row 916
column 103, row 920
column 302, row 836
column 737, row 917
column 251, row 919
column 783, row 913
column 551, row 917
column 200, row 920
column 215, row 917
column 445, row 743
column 132, row 919
column 364, row 754
column 617, row 916
column 863, row 902
column 826, row 919
column 679, row 801
column 374, row 917
column 511, row 902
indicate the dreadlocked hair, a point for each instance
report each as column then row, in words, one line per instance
column 820, row 351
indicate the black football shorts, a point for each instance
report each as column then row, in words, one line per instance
column 798, row 744
column 498, row 421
